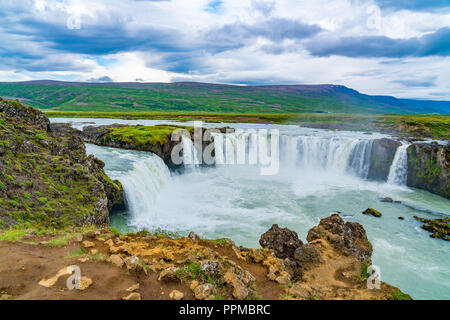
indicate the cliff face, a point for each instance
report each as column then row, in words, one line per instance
column 129, row 137
column 383, row 152
column 47, row 180
column 429, row 168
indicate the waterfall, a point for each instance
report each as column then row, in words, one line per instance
column 189, row 152
column 342, row 155
column 142, row 185
column 289, row 151
column 359, row 161
column 398, row 173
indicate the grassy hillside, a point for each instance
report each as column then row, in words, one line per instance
column 200, row 97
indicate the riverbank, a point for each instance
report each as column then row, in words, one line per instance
column 332, row 265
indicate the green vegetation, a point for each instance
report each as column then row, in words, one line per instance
column 44, row 183
column 144, row 135
column 76, row 253
column 60, row 241
column 114, row 231
column 364, row 275
column 199, row 97
column 12, row 235
column 132, row 97
column 221, row 241
column 165, row 233
column 398, row 295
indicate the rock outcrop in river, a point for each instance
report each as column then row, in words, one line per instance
column 48, row 180
column 429, row 168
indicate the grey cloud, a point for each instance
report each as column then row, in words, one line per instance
column 416, row 83
column 434, row 44
column 274, row 29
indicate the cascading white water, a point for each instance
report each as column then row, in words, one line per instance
column 314, row 152
column 189, row 152
column 142, row 185
column 359, row 161
column 398, row 173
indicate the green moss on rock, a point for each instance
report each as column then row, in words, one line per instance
column 372, row 212
column 48, row 181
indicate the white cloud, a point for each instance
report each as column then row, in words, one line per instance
column 187, row 54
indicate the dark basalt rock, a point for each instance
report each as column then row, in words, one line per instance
column 382, row 154
column 307, row 257
column 282, row 241
column 345, row 237
column 429, row 168
column 64, row 130
column 15, row 109
column 372, row 212
column 285, row 244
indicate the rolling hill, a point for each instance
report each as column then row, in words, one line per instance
column 204, row 97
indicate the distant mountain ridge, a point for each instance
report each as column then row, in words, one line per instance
column 208, row 97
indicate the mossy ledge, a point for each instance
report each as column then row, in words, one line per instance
column 48, row 181
column 156, row 139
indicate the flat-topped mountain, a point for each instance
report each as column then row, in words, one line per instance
column 194, row 96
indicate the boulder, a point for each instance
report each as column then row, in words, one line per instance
column 348, row 238
column 211, row 268
column 176, row 295
column 88, row 244
column 85, row 283
column 281, row 240
column 117, row 260
column 240, row 291
column 169, row 274
column 372, row 212
column 204, row 291
column 193, row 236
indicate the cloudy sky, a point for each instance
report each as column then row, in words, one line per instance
column 395, row 47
